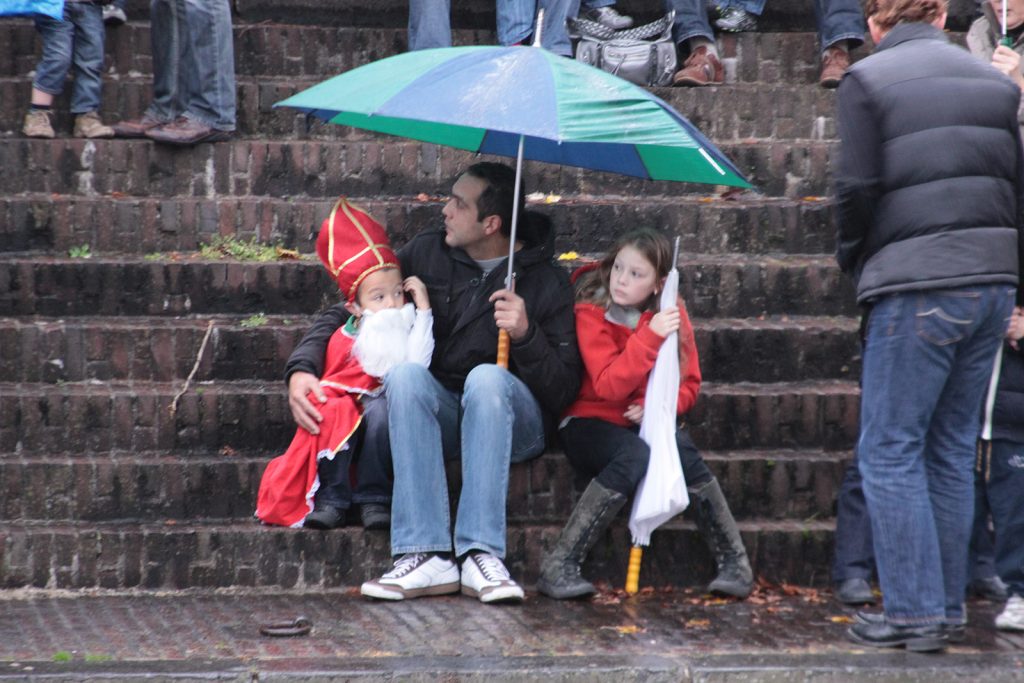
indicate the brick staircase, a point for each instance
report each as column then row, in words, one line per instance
column 102, row 486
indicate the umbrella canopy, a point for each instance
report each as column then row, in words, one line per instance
column 485, row 99
column 662, row 492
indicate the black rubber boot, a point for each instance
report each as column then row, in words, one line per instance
column 723, row 538
column 560, row 573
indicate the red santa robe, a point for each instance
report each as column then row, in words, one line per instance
column 290, row 480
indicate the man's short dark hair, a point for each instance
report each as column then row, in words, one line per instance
column 499, row 189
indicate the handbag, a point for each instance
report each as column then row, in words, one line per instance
column 644, row 55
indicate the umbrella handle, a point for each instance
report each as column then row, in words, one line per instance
column 503, row 343
column 636, row 554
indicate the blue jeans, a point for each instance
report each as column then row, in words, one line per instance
column 752, row 6
column 839, row 20
column 691, row 20
column 927, row 360
column 1002, row 480
column 430, row 24
column 494, row 422
column 75, row 40
column 854, row 553
column 193, row 62
column 371, row 450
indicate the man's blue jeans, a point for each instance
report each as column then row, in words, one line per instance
column 927, row 359
column 193, row 62
column 76, row 40
column 430, row 24
column 837, row 19
column 494, row 422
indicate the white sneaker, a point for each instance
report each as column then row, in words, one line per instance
column 1012, row 616
column 610, row 17
column 414, row 576
column 484, row 576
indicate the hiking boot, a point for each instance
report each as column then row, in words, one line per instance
column 38, row 124
column 610, row 17
column 485, row 577
column 834, row 64
column 136, row 128
column 89, row 125
column 990, row 588
column 113, row 15
column 415, row 575
column 716, row 524
column 186, row 132
column 560, row 576
column 324, row 517
column 736, row 20
column 375, row 516
column 855, row 592
column 1012, row 616
column 700, row 68
column 930, row 638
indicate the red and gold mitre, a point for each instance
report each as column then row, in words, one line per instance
column 352, row 245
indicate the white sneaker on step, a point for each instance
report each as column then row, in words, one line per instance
column 415, row 575
column 485, row 577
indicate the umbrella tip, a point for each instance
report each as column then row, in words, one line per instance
column 539, row 29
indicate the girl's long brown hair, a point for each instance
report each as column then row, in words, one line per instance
column 593, row 286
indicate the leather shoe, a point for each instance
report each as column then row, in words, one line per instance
column 955, row 633
column 874, row 631
column 324, row 517
column 701, row 68
column 186, row 132
column 375, row 516
column 834, row 64
column 990, row 588
column 855, row 592
column 136, row 128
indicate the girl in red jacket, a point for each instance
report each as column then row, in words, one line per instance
column 619, row 336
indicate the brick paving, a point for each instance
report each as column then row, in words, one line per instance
column 54, row 632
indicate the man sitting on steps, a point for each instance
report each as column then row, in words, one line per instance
column 465, row 406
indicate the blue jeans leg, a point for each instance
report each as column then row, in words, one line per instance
column 373, row 461
column 753, row 6
column 423, row 422
column 501, row 423
column 1005, row 486
column 854, row 554
column 430, row 24
column 211, row 97
column 57, row 37
column 927, row 359
column 981, row 561
column 839, row 20
column 172, row 55
column 515, row 20
column 691, row 20
column 596, row 4
column 88, row 56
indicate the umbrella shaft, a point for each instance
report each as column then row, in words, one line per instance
column 636, row 554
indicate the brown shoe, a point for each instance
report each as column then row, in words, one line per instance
column 834, row 64
column 38, row 124
column 700, row 68
column 89, row 125
column 187, row 132
column 136, row 128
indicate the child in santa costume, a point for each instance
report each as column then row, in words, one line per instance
column 309, row 485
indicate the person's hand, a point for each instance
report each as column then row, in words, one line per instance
column 415, row 287
column 510, row 313
column 1015, row 332
column 634, row 413
column 665, row 322
column 305, row 414
column 1008, row 62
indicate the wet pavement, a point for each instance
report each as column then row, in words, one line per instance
column 781, row 634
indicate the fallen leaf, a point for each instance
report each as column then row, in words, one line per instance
column 552, row 199
column 287, row 254
column 228, row 450
column 630, row 628
column 841, row 619
column 116, row 195
column 697, row 623
column 812, row 198
column 423, row 197
column 568, row 256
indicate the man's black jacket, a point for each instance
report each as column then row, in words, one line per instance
column 465, row 336
column 930, row 183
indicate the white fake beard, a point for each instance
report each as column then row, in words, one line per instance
column 383, row 339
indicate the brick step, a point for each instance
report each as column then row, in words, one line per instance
column 779, row 109
column 161, row 349
column 148, row 225
column 160, row 556
column 366, row 168
column 101, row 416
column 159, row 486
column 713, row 285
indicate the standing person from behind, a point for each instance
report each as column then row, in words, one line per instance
column 466, row 407
column 193, row 75
column 930, row 185
column 74, row 40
